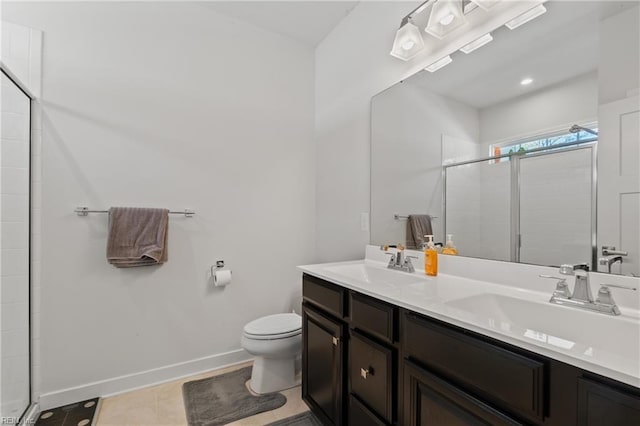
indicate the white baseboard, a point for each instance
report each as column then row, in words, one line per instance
column 31, row 415
column 142, row 379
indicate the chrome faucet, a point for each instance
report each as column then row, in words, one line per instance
column 399, row 261
column 581, row 289
column 610, row 260
column 581, row 296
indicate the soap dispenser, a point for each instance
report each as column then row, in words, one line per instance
column 430, row 257
column 449, row 248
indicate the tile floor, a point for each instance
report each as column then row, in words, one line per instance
column 163, row 405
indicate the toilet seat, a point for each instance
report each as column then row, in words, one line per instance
column 272, row 327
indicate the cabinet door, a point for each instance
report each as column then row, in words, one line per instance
column 323, row 359
column 371, row 374
column 599, row 404
column 431, row 401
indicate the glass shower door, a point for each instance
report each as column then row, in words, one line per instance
column 556, row 209
column 14, row 248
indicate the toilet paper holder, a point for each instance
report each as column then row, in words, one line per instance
column 217, row 269
column 219, row 264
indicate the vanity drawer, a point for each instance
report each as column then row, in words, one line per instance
column 507, row 378
column 329, row 297
column 373, row 316
column 361, row 415
column 371, row 374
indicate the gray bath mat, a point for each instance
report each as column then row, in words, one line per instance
column 303, row 419
column 224, row 399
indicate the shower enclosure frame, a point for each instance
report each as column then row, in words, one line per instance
column 515, row 158
column 28, row 411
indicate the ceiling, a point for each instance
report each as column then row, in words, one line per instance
column 308, row 22
column 555, row 47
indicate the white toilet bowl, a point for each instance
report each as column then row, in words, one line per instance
column 275, row 341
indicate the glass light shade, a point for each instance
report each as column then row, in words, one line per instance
column 445, row 17
column 485, row 4
column 408, row 42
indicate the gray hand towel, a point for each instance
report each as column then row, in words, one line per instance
column 137, row 236
column 418, row 225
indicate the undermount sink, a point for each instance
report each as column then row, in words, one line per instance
column 558, row 326
column 375, row 275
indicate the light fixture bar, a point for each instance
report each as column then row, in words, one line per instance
column 526, row 17
column 420, row 8
column 476, row 44
column 439, row 64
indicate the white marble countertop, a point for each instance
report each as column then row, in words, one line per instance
column 521, row 316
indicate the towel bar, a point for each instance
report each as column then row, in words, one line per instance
column 84, row 211
column 398, row 217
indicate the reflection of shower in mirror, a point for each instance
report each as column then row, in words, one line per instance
column 575, row 129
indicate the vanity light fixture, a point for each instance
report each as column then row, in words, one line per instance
column 485, row 4
column 408, row 42
column 476, row 44
column 526, row 81
column 526, row 17
column 445, row 17
column 439, row 64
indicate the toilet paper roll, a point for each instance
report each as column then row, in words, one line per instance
column 221, row 277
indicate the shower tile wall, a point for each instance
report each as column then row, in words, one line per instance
column 14, row 250
column 21, row 52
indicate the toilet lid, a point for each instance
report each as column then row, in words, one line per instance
column 274, row 325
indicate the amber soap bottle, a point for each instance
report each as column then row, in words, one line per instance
column 430, row 257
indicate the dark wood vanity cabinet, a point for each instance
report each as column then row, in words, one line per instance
column 367, row 362
column 324, row 352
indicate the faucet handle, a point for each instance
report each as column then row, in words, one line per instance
column 611, row 251
column 551, row 277
column 626, row 287
column 604, row 294
column 562, row 289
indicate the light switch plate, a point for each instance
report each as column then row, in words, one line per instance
column 364, row 221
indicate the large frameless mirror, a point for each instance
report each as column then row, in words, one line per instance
column 526, row 150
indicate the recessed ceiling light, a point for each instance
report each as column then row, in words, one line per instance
column 439, row 64
column 476, row 44
column 526, row 17
column 526, row 81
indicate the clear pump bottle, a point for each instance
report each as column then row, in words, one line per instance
column 449, row 248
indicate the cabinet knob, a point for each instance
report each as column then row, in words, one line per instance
column 364, row 373
column 336, row 340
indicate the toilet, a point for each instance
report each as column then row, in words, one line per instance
column 276, row 343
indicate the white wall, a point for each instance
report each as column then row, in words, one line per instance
column 409, row 126
column 549, row 109
column 169, row 105
column 619, row 70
